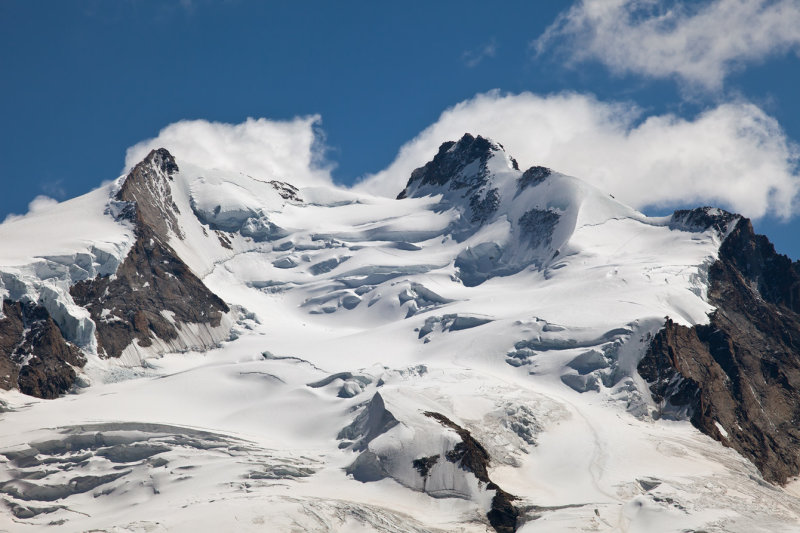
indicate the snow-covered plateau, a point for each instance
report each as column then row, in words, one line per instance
column 187, row 349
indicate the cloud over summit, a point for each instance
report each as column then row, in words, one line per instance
column 733, row 155
column 291, row 150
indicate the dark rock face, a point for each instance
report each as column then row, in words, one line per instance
column 131, row 305
column 150, row 295
column 470, row 455
column 34, row 356
column 423, row 465
column 287, row 191
column 450, row 161
column 533, row 176
column 740, row 373
column 775, row 277
column 484, row 206
column 538, row 226
column 148, row 186
column 461, row 167
column 153, row 290
column 703, row 218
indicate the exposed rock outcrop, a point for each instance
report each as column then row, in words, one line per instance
column 738, row 378
column 703, row 218
column 445, row 474
column 287, row 191
column 153, row 294
column 538, row 226
column 148, row 186
column 532, row 177
column 461, row 168
column 374, row 420
column 447, row 166
column 471, row 456
column 34, row 356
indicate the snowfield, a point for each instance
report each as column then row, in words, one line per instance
column 367, row 337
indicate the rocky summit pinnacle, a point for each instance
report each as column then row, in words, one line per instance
column 147, row 185
column 163, row 160
column 452, row 165
column 469, row 174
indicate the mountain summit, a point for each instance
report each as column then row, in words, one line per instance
column 459, row 165
column 495, row 348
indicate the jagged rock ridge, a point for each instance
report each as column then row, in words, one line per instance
column 461, row 167
column 153, row 294
column 447, row 167
column 148, row 187
column 738, row 378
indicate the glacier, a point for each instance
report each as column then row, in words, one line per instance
column 461, row 358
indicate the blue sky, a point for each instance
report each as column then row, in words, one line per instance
column 666, row 104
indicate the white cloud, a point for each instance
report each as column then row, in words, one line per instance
column 290, row 150
column 700, row 42
column 39, row 204
column 472, row 58
column 733, row 156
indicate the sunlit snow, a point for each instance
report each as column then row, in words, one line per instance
column 527, row 334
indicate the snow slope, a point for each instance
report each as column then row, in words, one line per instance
column 357, row 319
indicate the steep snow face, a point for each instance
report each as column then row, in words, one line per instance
column 461, row 358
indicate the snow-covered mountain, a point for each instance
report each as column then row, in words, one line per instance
column 191, row 349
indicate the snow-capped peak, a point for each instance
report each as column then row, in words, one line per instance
column 458, row 166
column 508, row 219
column 468, row 174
